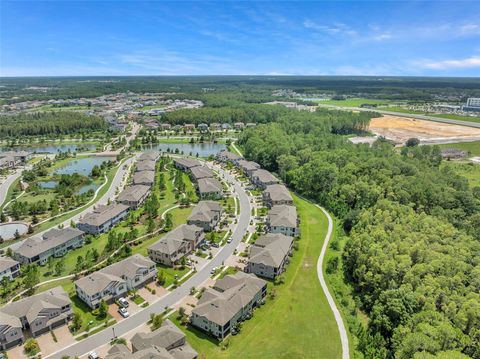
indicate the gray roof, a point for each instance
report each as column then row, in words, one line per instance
column 283, row 216
column 9, row 320
column 229, row 155
column 173, row 240
column 145, row 165
column 187, row 162
column 164, row 337
column 120, row 351
column 228, row 296
column 278, row 192
column 36, row 245
column 248, row 165
column 31, row 307
column 6, row 263
column 133, row 193
column 205, row 211
column 144, row 177
column 209, row 185
column 200, row 172
column 264, row 176
column 116, row 272
column 103, row 214
column 149, row 155
column 270, row 249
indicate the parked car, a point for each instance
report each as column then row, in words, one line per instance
column 215, row 245
column 230, row 240
column 93, row 355
column 214, row 269
column 123, row 312
column 123, row 302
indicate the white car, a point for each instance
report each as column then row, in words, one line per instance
column 123, row 312
column 230, row 240
column 92, row 355
column 123, row 302
column 214, row 269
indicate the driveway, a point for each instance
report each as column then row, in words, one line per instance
column 49, row 346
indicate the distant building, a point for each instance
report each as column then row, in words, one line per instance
column 473, row 104
column 453, row 153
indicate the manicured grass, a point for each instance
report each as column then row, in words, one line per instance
column 298, row 323
column 138, row 300
column 228, row 271
column 472, row 147
column 172, row 273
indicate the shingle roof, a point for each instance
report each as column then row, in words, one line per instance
column 173, row 240
column 229, row 295
column 270, row 249
column 149, row 155
column 278, row 192
column 248, row 165
column 229, row 155
column 145, row 165
column 6, row 263
column 36, row 245
column 282, row 216
column 187, row 162
column 205, row 211
column 209, row 185
column 164, row 337
column 103, row 214
column 10, row 320
column 200, row 172
column 264, row 176
column 133, row 193
column 144, row 177
column 96, row 282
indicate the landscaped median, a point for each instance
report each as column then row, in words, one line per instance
column 296, row 321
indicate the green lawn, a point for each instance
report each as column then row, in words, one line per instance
column 470, row 171
column 354, row 102
column 298, row 323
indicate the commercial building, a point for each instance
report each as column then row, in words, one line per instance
column 103, row 218
column 230, row 301
column 116, row 280
column 54, row 243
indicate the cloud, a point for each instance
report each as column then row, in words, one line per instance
column 466, row 63
column 335, row 29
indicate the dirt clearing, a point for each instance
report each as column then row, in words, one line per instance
column 400, row 129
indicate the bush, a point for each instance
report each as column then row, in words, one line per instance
column 31, row 347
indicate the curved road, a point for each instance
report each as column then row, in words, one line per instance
column 143, row 316
column 331, row 302
column 7, row 183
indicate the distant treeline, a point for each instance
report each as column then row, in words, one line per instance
column 412, row 251
column 48, row 123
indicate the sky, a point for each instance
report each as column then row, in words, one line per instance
column 80, row 38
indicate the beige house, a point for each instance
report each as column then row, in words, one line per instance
column 283, row 219
column 230, row 301
column 206, row 214
column 9, row 268
column 146, row 178
column 114, row 281
column 176, row 244
column 134, row 196
column 262, row 178
column 226, row 156
column 200, row 172
column 277, row 194
column 38, row 314
column 145, row 165
column 185, row 164
column 269, row 255
column 248, row 167
column 103, row 218
column 209, row 188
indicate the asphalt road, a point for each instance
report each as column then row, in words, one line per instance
column 409, row 115
column 7, row 183
column 130, row 323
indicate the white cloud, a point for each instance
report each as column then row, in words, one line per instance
column 335, row 29
column 466, row 63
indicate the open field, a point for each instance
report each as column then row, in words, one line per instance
column 298, row 323
column 472, row 147
column 441, row 115
column 355, row 102
column 400, row 129
column 470, row 171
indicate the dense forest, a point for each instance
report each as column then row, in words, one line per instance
column 412, row 254
column 49, row 123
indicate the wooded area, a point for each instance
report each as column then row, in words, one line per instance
column 411, row 255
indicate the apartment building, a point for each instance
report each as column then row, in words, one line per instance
column 103, row 218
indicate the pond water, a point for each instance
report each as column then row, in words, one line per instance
column 7, row 230
column 86, row 188
column 83, row 166
column 48, row 184
column 51, row 148
column 203, row 149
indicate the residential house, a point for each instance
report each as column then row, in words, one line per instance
column 269, row 255
column 277, row 194
column 239, row 125
column 103, row 218
column 262, row 178
column 189, row 127
column 227, row 156
column 230, row 301
column 250, row 124
column 248, row 167
column 171, row 248
column 54, row 243
column 215, row 126
column 202, row 127
column 166, row 126
column 145, row 165
column 200, row 172
column 39, row 314
column 168, row 340
column 116, row 280
column 185, row 164
column 226, row 126
column 9, row 268
column 206, row 214
column 146, row 178
column 209, row 188
column 134, row 196
column 149, row 156
column 283, row 219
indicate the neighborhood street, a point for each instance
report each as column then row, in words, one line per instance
column 119, row 329
column 7, row 183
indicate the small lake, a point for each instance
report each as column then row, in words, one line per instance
column 48, row 184
column 51, row 148
column 88, row 187
column 203, row 149
column 83, row 165
column 7, row 230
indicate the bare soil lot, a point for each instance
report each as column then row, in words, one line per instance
column 400, row 129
